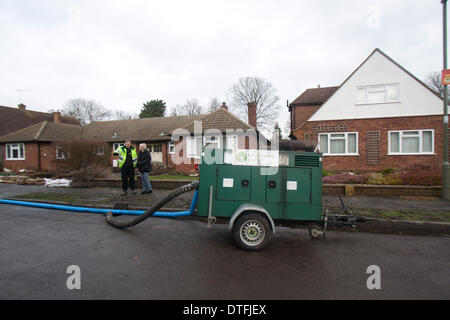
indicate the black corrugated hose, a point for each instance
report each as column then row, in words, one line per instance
column 148, row 213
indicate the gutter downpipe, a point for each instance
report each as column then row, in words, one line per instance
column 445, row 164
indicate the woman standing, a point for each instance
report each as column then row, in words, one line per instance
column 144, row 165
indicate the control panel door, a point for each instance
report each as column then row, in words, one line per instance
column 298, row 185
column 233, row 183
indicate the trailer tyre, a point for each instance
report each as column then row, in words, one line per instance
column 252, row 231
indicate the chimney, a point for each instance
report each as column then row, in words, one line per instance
column 21, row 106
column 57, row 117
column 318, row 86
column 224, row 105
column 252, row 113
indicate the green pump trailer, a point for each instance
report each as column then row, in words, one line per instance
column 256, row 190
column 256, row 197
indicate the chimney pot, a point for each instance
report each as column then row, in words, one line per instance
column 252, row 113
column 318, row 86
column 21, row 106
column 224, row 105
column 57, row 117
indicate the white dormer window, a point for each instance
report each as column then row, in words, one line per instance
column 385, row 93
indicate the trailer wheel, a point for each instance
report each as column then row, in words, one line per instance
column 252, row 231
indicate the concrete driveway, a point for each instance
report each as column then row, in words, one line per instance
column 182, row 259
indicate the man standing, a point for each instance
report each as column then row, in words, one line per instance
column 127, row 163
column 144, row 166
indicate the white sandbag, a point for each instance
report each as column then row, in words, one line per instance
column 57, row 182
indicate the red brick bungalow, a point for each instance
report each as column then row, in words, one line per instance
column 380, row 117
column 36, row 147
column 14, row 119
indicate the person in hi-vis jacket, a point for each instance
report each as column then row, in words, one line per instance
column 127, row 163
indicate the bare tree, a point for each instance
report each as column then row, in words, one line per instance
column 85, row 159
column 287, row 129
column 190, row 108
column 85, row 110
column 260, row 91
column 214, row 104
column 122, row 115
column 434, row 81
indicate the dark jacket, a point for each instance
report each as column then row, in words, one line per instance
column 144, row 163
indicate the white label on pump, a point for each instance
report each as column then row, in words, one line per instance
column 291, row 185
column 228, row 183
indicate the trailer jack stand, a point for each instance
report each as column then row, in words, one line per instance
column 316, row 232
column 211, row 220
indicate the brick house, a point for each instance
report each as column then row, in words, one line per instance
column 36, row 147
column 18, row 118
column 380, row 117
column 305, row 105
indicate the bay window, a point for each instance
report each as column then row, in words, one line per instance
column 15, row 151
column 342, row 143
column 411, row 142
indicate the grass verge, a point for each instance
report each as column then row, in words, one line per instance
column 402, row 215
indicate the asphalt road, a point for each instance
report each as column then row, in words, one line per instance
column 182, row 259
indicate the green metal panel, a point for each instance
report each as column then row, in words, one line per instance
column 233, row 183
column 274, row 186
column 294, row 194
column 298, row 185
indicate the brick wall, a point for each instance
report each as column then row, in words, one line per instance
column 30, row 162
column 302, row 113
column 383, row 125
column 47, row 157
column 188, row 164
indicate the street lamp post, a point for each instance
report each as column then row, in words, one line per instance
column 445, row 164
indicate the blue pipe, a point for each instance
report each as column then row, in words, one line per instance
column 96, row 210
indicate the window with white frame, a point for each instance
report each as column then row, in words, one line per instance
column 411, row 142
column 59, row 152
column 378, row 94
column 99, row 149
column 117, row 145
column 171, row 147
column 342, row 143
column 157, row 148
column 194, row 147
column 230, row 142
column 15, row 151
column 212, row 141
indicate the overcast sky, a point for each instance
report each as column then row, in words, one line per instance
column 122, row 53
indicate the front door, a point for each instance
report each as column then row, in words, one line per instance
column 155, row 150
